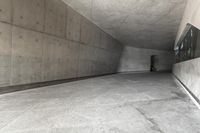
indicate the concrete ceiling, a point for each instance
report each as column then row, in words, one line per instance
column 140, row 23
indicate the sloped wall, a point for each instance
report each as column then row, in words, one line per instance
column 188, row 72
column 191, row 16
column 45, row 40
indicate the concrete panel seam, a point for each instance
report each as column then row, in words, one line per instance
column 54, row 35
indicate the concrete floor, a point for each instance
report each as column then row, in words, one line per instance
column 122, row 103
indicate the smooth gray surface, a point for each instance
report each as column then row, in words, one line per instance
column 137, row 59
column 47, row 40
column 140, row 23
column 188, row 72
column 123, row 103
column 191, row 16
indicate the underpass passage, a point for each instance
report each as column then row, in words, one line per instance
column 120, row 103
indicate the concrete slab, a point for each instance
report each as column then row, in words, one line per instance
column 73, row 27
column 163, row 113
column 90, row 33
column 139, row 103
column 49, row 63
column 40, row 41
column 55, row 19
column 27, row 54
column 85, row 31
column 5, row 53
column 29, row 14
column 143, row 24
column 5, row 10
column 188, row 73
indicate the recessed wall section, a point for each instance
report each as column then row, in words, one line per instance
column 138, row 59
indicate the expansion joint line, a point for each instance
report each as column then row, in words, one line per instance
column 151, row 120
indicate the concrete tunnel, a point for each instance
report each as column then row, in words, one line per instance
column 99, row 66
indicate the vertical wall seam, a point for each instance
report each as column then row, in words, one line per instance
column 43, row 41
column 66, row 18
column 11, row 45
column 92, row 4
column 45, row 10
column 79, row 51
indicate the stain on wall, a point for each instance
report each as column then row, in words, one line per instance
column 45, row 40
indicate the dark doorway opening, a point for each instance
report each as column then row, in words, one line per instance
column 153, row 62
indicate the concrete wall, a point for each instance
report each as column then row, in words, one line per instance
column 137, row 59
column 191, row 15
column 188, row 72
column 44, row 40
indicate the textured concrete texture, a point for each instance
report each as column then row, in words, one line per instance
column 137, row 59
column 5, row 10
column 45, row 40
column 123, row 103
column 140, row 23
column 5, row 54
column 188, row 72
column 191, row 16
